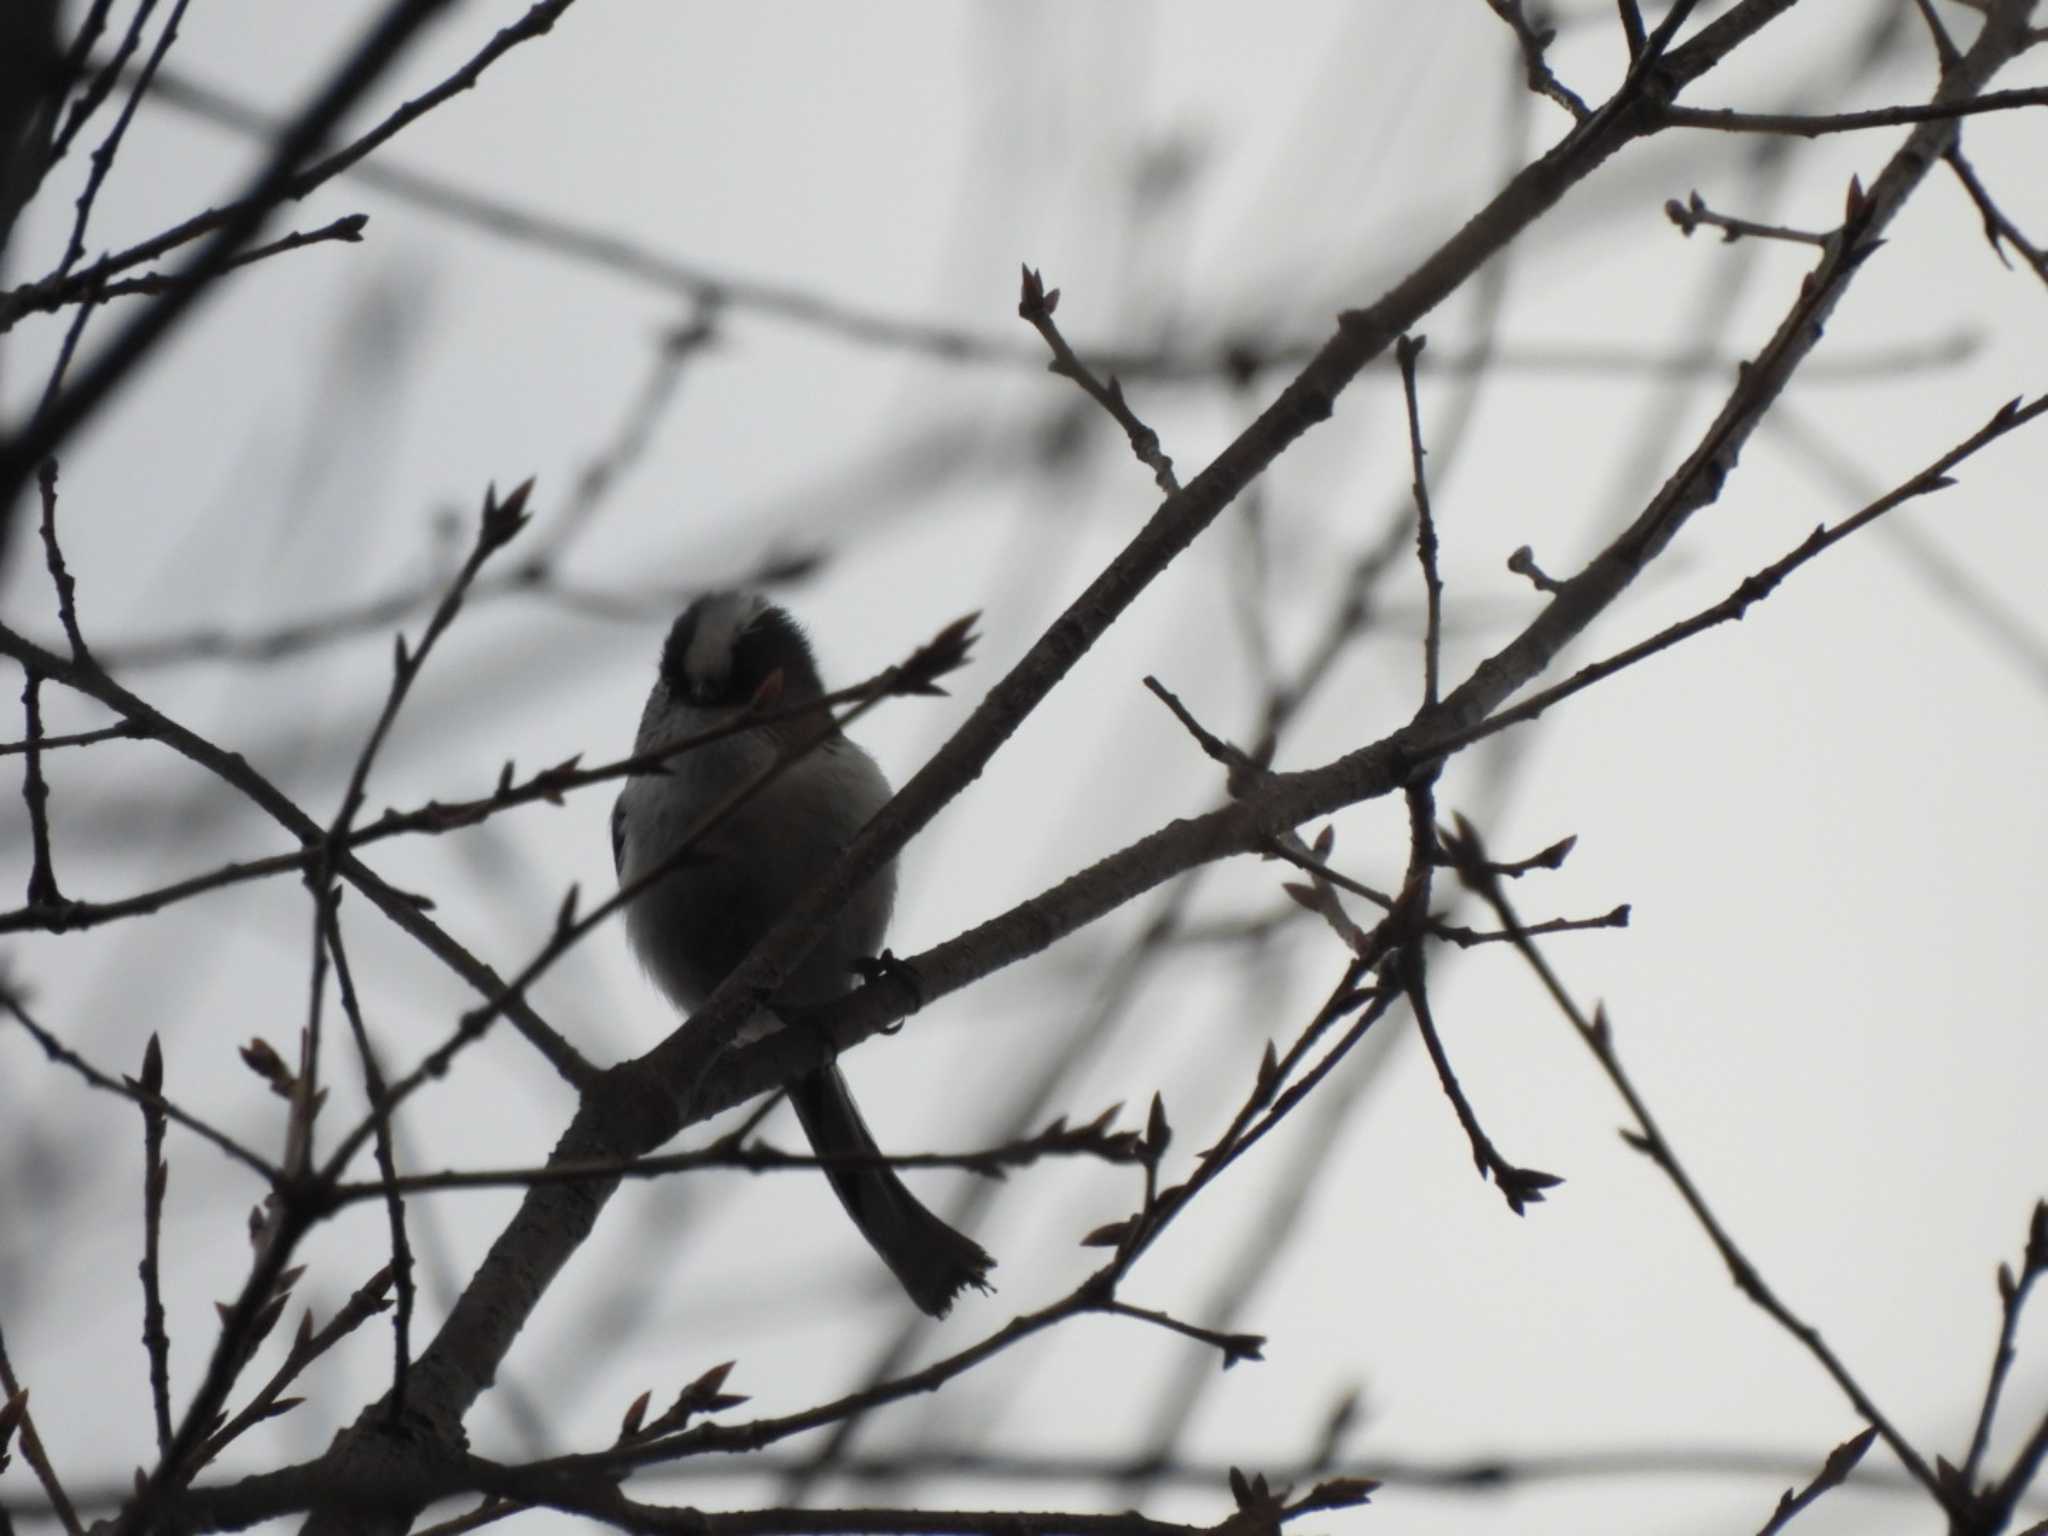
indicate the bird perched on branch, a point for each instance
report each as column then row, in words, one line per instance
column 728, row 654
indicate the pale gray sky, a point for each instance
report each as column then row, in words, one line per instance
column 1827, row 819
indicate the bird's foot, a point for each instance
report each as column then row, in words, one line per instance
column 886, row 967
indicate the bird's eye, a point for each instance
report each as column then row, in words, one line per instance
column 705, row 689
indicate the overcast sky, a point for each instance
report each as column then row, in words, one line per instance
column 1827, row 820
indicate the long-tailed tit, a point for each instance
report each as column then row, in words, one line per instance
column 696, row 923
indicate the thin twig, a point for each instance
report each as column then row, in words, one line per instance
column 53, row 557
column 1691, row 214
column 497, row 525
column 102, row 83
column 1475, row 1476
column 1478, row 1475
column 1999, row 230
column 14, row 1397
column 1455, row 933
column 308, row 1345
column 156, row 1340
column 1408, row 969
column 1833, row 1473
column 1753, row 588
column 1812, row 126
column 121, row 731
column 348, row 229
column 302, row 1088
column 544, row 786
column 401, row 1266
column 1094, row 1140
column 1234, row 1347
column 409, row 596
column 103, row 157
column 1406, row 350
column 403, row 909
column 126, row 1088
column 1467, row 856
column 378, row 48
column 1945, row 51
column 60, row 369
column 2012, row 1297
column 244, row 1324
column 1037, row 306
column 1659, row 41
column 1260, row 1112
column 35, row 794
column 2019, row 1477
column 1534, row 41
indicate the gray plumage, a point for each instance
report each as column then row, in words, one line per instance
column 694, row 925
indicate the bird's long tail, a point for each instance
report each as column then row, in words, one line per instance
column 934, row 1262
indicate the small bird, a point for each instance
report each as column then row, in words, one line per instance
column 695, row 924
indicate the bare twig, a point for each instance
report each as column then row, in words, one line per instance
column 1693, row 213
column 1999, row 230
column 232, row 229
column 103, row 157
column 2012, row 1297
column 348, row 229
column 96, row 92
column 35, row 793
column 1037, row 306
column 549, row 785
column 1463, row 937
column 1833, row 1473
column 121, row 731
column 156, row 1341
column 308, row 1345
column 1406, row 351
column 1481, row 1476
column 1233, row 1347
column 1755, row 587
column 14, row 1407
column 1812, row 126
column 1477, row 1475
column 1534, row 41
column 1467, row 856
column 1407, row 968
column 409, row 596
column 498, row 524
column 1266, row 1104
column 1094, row 1140
column 61, row 368
column 53, row 556
column 374, row 1088
column 1945, row 51
column 128, row 1088
column 401, row 908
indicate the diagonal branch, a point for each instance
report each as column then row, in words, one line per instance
column 1469, row 858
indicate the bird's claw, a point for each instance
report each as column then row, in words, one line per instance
column 886, row 967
